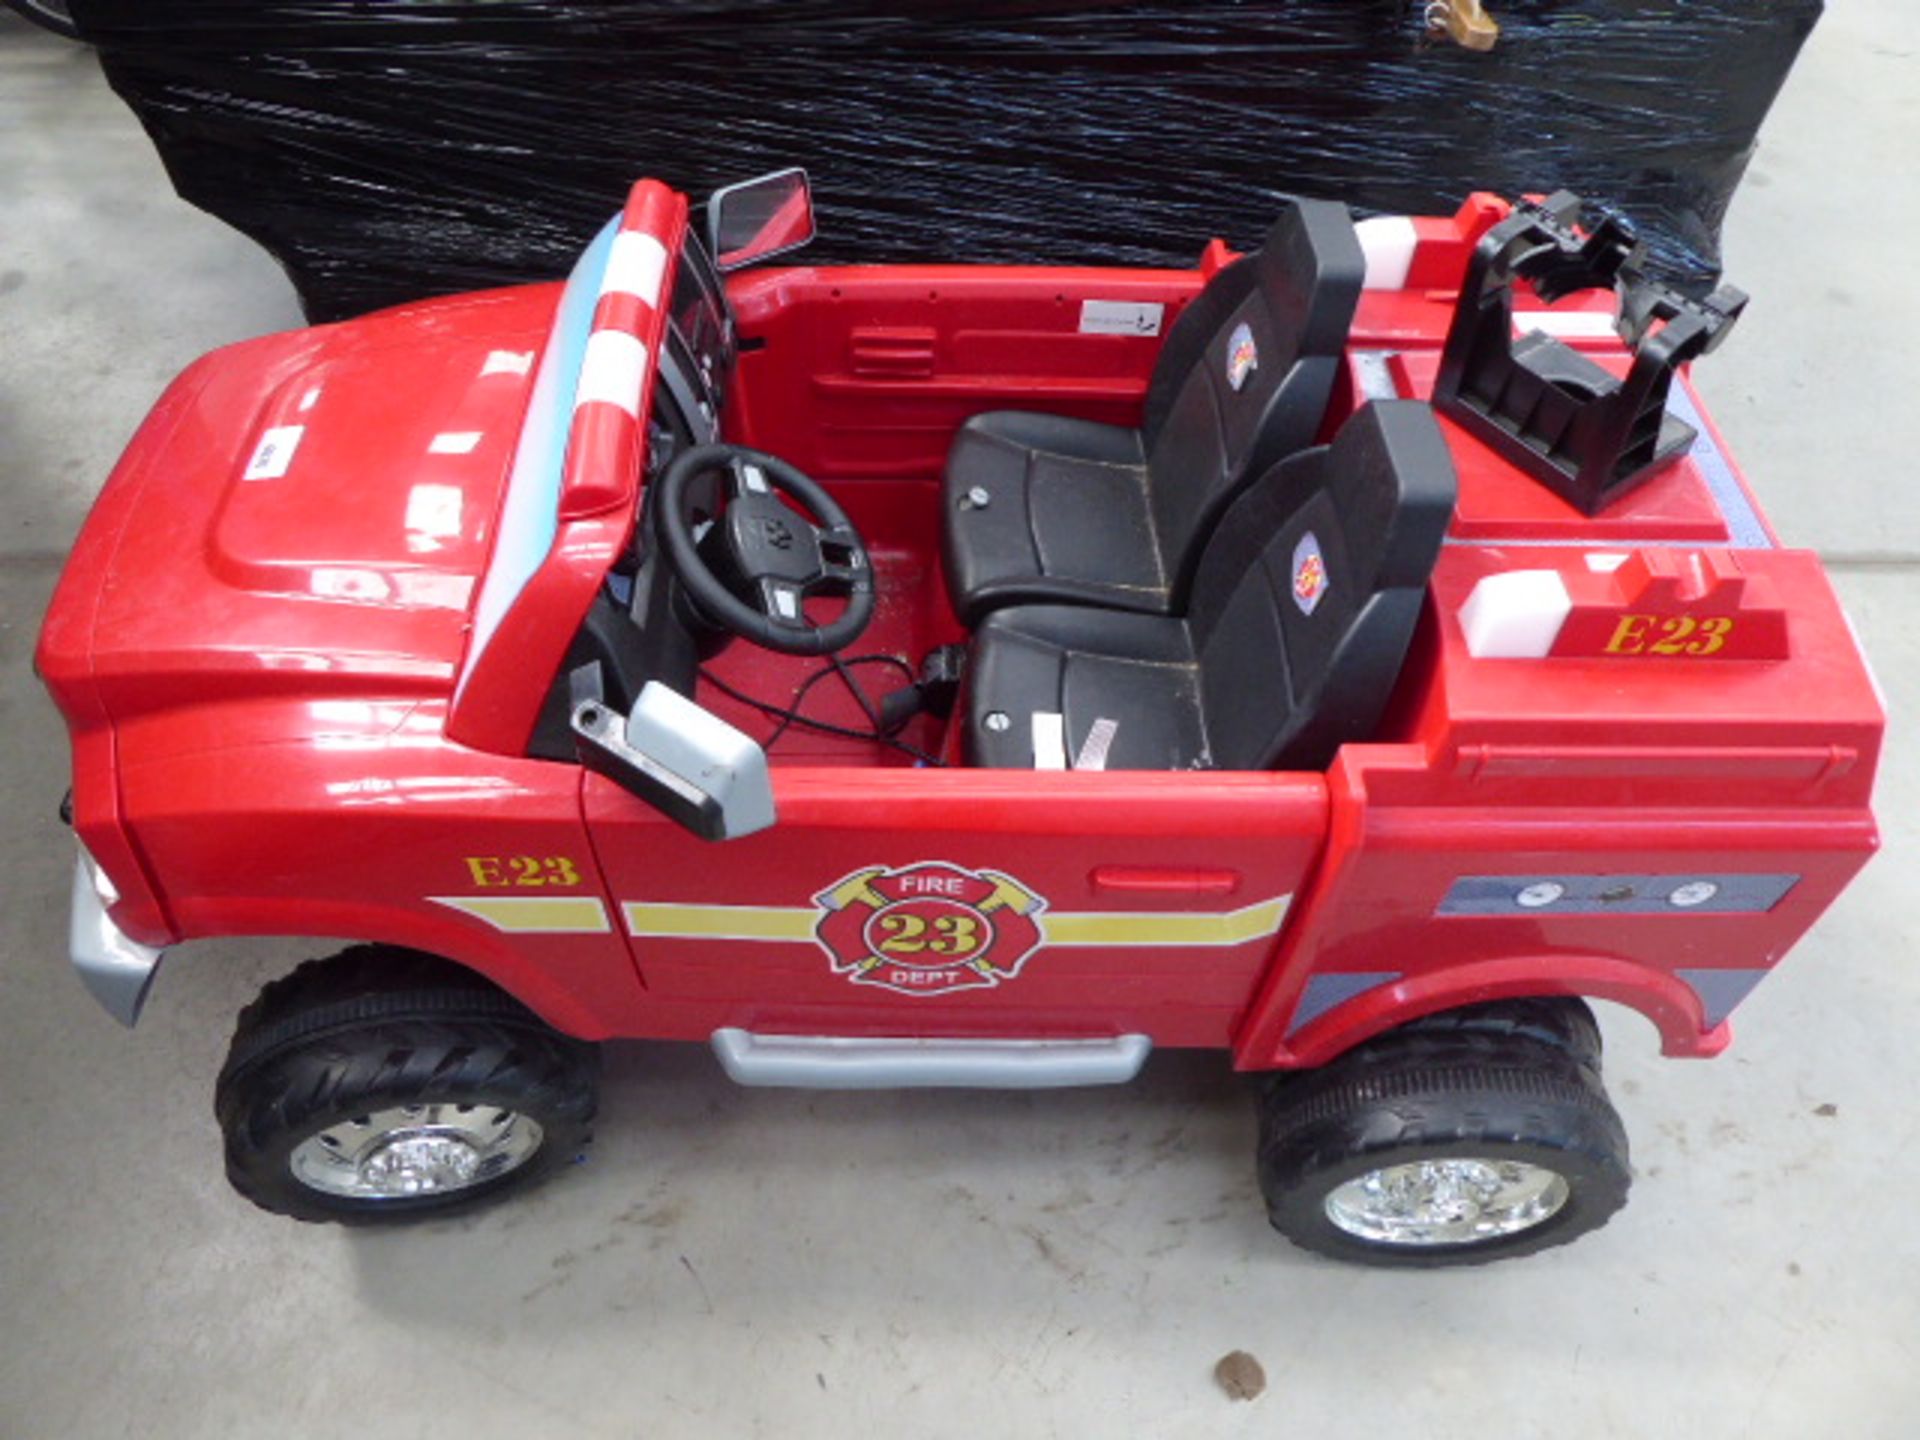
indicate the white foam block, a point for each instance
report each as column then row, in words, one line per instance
column 1389, row 242
column 1515, row 615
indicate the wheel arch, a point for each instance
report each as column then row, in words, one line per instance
column 1668, row 1002
column 586, row 1001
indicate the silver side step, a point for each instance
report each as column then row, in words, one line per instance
column 846, row 1062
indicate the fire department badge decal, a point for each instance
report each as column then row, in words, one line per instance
column 1243, row 356
column 928, row 929
column 1309, row 573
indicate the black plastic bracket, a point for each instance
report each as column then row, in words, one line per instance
column 933, row 693
column 1583, row 432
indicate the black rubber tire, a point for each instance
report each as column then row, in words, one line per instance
column 52, row 15
column 376, row 1026
column 1514, row 1080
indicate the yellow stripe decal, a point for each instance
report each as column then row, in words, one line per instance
column 1119, row 927
column 719, row 922
column 533, row 914
column 1095, row 927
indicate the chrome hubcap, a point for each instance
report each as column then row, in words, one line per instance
column 1447, row 1202
column 409, row 1150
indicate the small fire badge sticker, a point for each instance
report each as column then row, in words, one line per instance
column 1309, row 573
column 928, row 929
column 1243, row 356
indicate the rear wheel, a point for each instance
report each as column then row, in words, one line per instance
column 383, row 1085
column 1457, row 1139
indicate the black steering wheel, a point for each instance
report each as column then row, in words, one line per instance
column 753, row 571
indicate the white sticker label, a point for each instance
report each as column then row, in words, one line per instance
column 1049, row 740
column 274, row 453
column 1094, row 749
column 1121, row 317
column 507, row 362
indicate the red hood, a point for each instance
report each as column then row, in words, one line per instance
column 306, row 513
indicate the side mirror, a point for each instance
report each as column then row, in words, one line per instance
column 759, row 218
column 681, row 759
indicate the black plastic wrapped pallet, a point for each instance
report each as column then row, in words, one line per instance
column 386, row 149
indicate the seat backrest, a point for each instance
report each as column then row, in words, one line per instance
column 1307, row 595
column 1244, row 377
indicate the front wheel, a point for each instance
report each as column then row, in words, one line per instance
column 1457, row 1139
column 385, row 1085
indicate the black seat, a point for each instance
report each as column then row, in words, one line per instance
column 1303, row 605
column 1042, row 509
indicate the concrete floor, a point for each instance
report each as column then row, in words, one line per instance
column 737, row 1262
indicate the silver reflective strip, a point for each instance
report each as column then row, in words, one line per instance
column 1721, row 990
column 1744, row 525
column 1323, row 992
column 845, row 1062
column 1683, row 893
column 1375, row 374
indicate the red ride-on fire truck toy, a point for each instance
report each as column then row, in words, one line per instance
column 1347, row 655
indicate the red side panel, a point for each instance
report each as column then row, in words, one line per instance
column 917, row 902
column 867, row 371
column 358, row 820
column 1653, row 828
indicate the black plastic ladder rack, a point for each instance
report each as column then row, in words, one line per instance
column 1583, row 432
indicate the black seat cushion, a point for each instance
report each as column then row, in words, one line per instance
column 1303, row 607
column 1044, row 509
column 1064, row 502
column 1085, row 664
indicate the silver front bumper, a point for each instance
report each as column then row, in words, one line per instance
column 116, row 969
